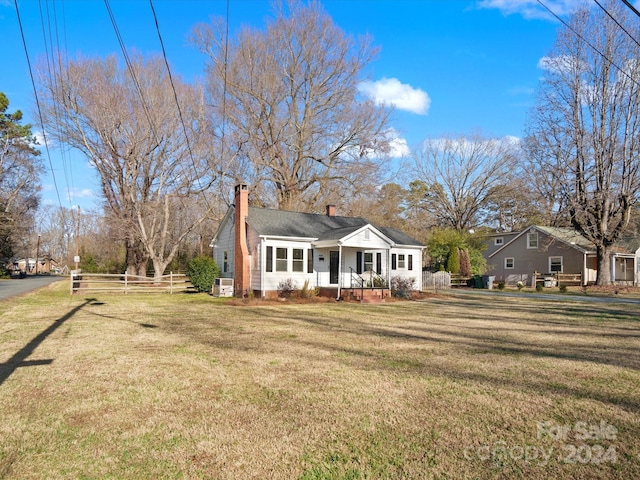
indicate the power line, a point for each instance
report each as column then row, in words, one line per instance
column 53, row 81
column 581, row 37
column 175, row 97
column 131, row 70
column 616, row 22
column 633, row 9
column 35, row 93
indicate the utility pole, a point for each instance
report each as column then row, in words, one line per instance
column 76, row 259
column 37, row 253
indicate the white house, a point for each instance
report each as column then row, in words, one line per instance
column 341, row 256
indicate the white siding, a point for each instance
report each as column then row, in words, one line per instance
column 272, row 279
column 415, row 272
column 361, row 241
column 225, row 243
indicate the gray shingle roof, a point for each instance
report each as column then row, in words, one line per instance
column 282, row 223
column 568, row 235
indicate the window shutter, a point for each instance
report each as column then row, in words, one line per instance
column 310, row 260
column 410, row 262
column 379, row 263
column 358, row 263
column 269, row 263
column 393, row 261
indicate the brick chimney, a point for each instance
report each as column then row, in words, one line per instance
column 242, row 272
column 331, row 210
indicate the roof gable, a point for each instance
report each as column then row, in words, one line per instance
column 567, row 236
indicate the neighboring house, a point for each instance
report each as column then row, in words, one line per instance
column 515, row 256
column 28, row 265
column 259, row 248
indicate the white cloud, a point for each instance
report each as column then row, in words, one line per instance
column 77, row 193
column 531, row 9
column 390, row 91
column 561, row 64
column 397, row 145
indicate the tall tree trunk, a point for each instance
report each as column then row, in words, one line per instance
column 136, row 259
column 604, row 265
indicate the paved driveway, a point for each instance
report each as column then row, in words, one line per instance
column 19, row 286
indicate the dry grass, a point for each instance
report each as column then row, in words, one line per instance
column 185, row 386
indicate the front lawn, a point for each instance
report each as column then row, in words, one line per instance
column 186, row 386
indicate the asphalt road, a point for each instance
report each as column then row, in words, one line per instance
column 20, row 286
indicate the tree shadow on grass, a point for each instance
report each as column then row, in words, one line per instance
column 20, row 358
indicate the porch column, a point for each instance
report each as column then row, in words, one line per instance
column 585, row 273
column 389, row 269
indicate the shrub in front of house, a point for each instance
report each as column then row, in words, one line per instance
column 402, row 287
column 307, row 291
column 202, row 271
column 286, row 288
column 501, row 285
column 539, row 287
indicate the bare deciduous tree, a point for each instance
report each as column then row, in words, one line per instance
column 128, row 126
column 288, row 96
column 463, row 174
column 586, row 127
column 20, row 170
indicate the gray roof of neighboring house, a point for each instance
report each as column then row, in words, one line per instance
column 568, row 235
column 282, row 223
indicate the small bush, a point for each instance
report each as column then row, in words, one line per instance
column 202, row 271
column 501, row 285
column 402, row 287
column 539, row 287
column 307, row 291
column 286, row 288
column 563, row 289
column 520, row 285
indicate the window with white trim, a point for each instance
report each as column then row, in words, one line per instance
column 532, row 240
column 555, row 264
column 225, row 262
column 281, row 259
column 498, row 241
column 368, row 261
column 401, row 260
column 509, row 262
column 298, row 260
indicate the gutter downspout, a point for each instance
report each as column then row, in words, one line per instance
column 263, row 267
column 339, row 270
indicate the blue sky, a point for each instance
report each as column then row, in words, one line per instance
column 448, row 66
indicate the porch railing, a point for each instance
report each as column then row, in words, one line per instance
column 368, row 279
